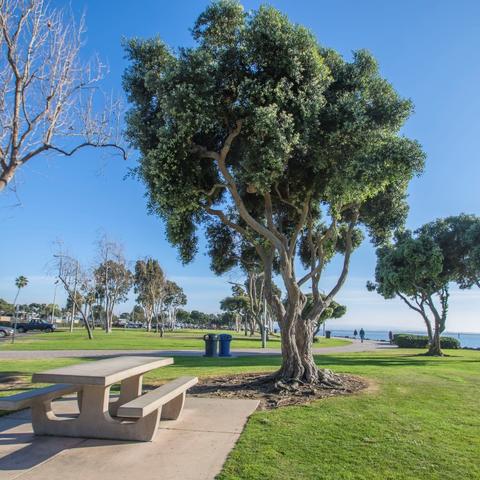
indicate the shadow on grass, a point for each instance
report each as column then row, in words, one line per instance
column 414, row 360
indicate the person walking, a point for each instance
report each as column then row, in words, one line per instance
column 390, row 337
column 355, row 333
column 362, row 334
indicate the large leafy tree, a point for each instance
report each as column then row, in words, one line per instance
column 415, row 269
column 275, row 140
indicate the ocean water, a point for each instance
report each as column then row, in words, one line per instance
column 469, row 340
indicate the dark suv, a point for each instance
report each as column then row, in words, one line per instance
column 41, row 325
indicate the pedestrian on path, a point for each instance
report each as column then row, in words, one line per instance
column 390, row 337
column 355, row 333
column 362, row 334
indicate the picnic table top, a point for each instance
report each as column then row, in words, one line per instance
column 102, row 372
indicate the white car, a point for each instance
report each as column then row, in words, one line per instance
column 5, row 331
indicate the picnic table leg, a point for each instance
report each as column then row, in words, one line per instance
column 172, row 409
column 94, row 420
column 130, row 389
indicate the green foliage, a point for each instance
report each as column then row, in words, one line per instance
column 459, row 239
column 311, row 124
column 410, row 266
column 421, row 341
column 236, row 303
column 6, row 308
column 114, row 279
column 174, row 295
column 334, row 310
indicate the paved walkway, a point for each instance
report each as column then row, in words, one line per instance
column 355, row 346
column 191, row 448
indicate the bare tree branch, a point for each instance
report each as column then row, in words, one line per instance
column 48, row 97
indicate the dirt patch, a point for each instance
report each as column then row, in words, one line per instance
column 14, row 382
column 261, row 387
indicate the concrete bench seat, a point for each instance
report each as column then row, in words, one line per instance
column 168, row 398
column 26, row 399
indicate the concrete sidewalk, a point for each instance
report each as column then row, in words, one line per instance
column 191, row 448
column 355, row 346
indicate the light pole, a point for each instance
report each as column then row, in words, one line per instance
column 74, row 297
column 54, row 299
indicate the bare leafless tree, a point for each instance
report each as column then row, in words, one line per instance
column 113, row 279
column 78, row 284
column 48, row 96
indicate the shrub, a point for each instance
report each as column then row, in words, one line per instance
column 405, row 340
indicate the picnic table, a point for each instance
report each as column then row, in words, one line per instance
column 132, row 416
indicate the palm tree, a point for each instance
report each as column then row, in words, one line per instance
column 20, row 282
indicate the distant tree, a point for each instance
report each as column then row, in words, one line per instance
column 174, row 299
column 113, row 280
column 199, row 319
column 413, row 269
column 47, row 93
column 183, row 316
column 6, row 308
column 138, row 314
column 259, row 129
column 20, row 282
column 150, row 287
column 238, row 304
column 75, row 280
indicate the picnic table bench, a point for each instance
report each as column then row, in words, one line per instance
column 132, row 416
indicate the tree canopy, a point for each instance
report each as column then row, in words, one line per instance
column 459, row 239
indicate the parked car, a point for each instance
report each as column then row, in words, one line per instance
column 41, row 325
column 134, row 325
column 5, row 331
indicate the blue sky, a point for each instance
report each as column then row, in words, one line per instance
column 429, row 50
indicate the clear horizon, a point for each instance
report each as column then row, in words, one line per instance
column 73, row 199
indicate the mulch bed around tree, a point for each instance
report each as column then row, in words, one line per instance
column 262, row 387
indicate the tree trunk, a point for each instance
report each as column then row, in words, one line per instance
column 429, row 329
column 291, row 369
column 304, row 336
column 435, row 347
column 252, row 327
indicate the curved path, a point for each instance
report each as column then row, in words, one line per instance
column 355, row 346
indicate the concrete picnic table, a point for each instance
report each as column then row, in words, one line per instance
column 98, row 414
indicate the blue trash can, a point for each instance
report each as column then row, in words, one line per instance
column 224, row 340
column 211, row 345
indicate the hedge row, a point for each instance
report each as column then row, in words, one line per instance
column 404, row 340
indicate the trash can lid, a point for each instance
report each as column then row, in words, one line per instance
column 225, row 336
column 210, row 336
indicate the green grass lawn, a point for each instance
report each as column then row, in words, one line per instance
column 419, row 420
column 132, row 339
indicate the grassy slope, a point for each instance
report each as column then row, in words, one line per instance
column 420, row 421
column 121, row 339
